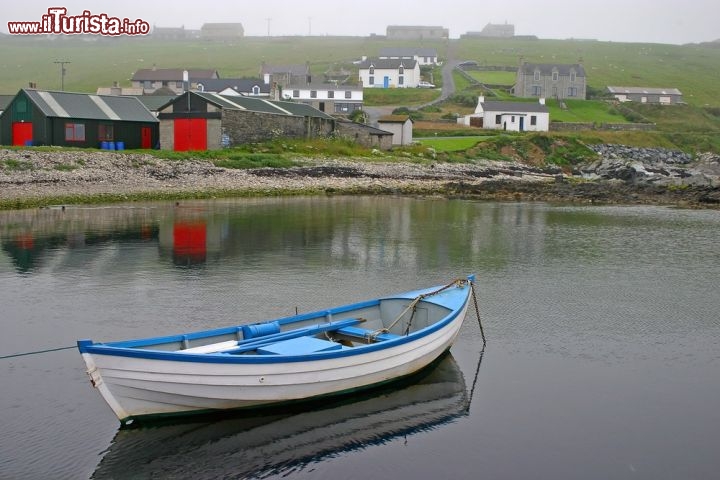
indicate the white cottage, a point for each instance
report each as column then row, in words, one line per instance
column 389, row 73
column 401, row 126
column 509, row 116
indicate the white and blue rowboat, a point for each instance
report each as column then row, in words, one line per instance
column 303, row 357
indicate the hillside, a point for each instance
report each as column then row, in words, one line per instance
column 693, row 69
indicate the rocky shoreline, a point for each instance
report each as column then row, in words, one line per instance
column 620, row 175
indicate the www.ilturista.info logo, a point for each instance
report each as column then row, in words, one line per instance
column 58, row 22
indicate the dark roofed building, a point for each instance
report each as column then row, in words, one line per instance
column 663, row 96
column 209, row 121
column 424, row 56
column 417, row 32
column 40, row 117
column 551, row 80
column 152, row 79
column 284, row 75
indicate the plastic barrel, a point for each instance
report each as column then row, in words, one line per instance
column 111, row 145
column 28, row 143
column 260, row 330
column 119, row 145
column 104, row 145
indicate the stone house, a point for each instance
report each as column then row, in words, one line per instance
column 549, row 80
column 365, row 135
column 389, row 73
column 170, row 79
column 283, row 75
column 209, row 121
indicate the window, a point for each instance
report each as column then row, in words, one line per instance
column 348, row 94
column 331, row 94
column 512, row 119
column 572, row 76
column 21, row 106
column 533, row 120
column 313, row 93
column 74, row 132
column 401, row 80
column 554, row 92
column 256, row 90
column 401, row 70
column 536, row 91
column 537, row 75
column 147, row 84
column 296, row 93
column 372, row 70
column 555, row 76
column 498, row 119
column 572, row 92
column 179, row 84
column 371, row 80
column 105, row 132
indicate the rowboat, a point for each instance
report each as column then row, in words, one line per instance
column 298, row 358
column 262, row 444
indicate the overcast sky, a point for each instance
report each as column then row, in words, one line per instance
column 656, row 21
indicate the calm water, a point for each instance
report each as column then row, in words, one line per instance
column 603, row 325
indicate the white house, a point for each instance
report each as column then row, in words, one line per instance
column 400, row 126
column 328, row 98
column 424, row 56
column 389, row 73
column 510, row 116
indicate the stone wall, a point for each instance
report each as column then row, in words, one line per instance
column 242, row 126
column 361, row 134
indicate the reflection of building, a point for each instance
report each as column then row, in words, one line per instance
column 189, row 242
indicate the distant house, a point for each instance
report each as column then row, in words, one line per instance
column 116, row 89
column 168, row 33
column 221, row 31
column 493, row 30
column 284, row 75
column 389, row 73
column 416, row 32
column 549, row 80
column 424, row 56
column 209, row 121
column 509, row 116
column 169, row 79
column 249, row 87
column 329, row 98
column 662, row 96
column 401, row 126
column 41, row 117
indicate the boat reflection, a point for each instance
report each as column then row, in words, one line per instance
column 276, row 442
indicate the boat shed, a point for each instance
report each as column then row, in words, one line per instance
column 209, row 121
column 41, row 117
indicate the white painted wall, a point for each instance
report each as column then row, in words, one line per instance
column 410, row 80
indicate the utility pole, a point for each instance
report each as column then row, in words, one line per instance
column 268, row 25
column 62, row 73
column 309, row 26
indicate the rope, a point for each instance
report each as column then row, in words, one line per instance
column 477, row 312
column 36, row 352
column 413, row 304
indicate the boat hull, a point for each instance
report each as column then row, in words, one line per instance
column 136, row 387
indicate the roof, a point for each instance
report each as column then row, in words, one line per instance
column 324, row 86
column 645, row 90
column 300, row 69
column 548, row 68
column 90, row 107
column 172, row 74
column 363, row 126
column 394, row 119
column 237, row 84
column 5, row 101
column 408, row 52
column 255, row 104
column 154, row 102
column 388, row 63
column 514, row 107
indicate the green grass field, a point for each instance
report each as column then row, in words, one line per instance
column 493, row 78
column 453, row 144
column 691, row 68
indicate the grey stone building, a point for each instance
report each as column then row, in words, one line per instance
column 550, row 80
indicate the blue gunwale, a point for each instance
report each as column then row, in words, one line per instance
column 451, row 299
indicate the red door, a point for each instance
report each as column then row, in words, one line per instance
column 21, row 133
column 190, row 134
column 145, row 137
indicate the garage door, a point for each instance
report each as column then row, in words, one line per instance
column 190, row 134
column 21, row 133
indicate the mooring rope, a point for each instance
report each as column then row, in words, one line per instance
column 37, row 352
column 477, row 312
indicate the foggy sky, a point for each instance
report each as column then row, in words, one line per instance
column 652, row 21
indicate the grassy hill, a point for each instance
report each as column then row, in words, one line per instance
column 694, row 69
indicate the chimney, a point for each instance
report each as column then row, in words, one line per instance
column 32, row 85
column 116, row 84
column 481, row 99
column 542, row 101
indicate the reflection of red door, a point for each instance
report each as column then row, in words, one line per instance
column 21, row 133
column 190, row 134
column 145, row 137
column 189, row 242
